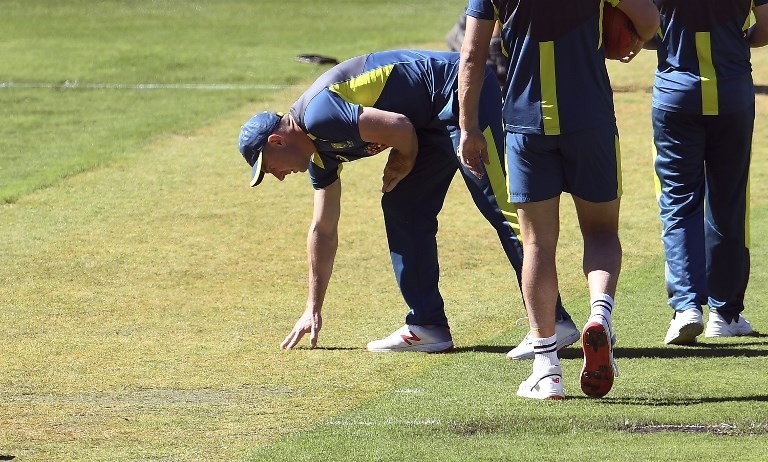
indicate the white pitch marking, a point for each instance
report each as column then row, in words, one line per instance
column 367, row 423
column 75, row 85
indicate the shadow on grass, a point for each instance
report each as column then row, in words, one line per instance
column 699, row 350
column 303, row 347
column 484, row 349
column 703, row 349
column 695, row 351
column 674, row 401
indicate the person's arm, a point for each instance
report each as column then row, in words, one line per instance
column 644, row 16
column 322, row 242
column 645, row 19
column 474, row 53
column 757, row 35
column 394, row 130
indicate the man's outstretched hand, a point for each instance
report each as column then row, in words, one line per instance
column 309, row 323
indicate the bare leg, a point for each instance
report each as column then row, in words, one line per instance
column 599, row 223
column 540, row 227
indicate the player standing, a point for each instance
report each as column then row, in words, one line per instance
column 703, row 118
column 561, row 137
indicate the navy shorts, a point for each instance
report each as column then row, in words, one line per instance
column 586, row 164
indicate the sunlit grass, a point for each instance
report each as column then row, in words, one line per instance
column 145, row 294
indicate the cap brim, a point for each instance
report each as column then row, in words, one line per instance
column 256, row 173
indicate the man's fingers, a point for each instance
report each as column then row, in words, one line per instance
column 296, row 338
column 292, row 339
column 313, row 336
column 474, row 162
column 287, row 341
column 474, row 166
column 628, row 58
column 389, row 180
column 389, row 184
column 484, row 157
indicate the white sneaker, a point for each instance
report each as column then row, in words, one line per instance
column 684, row 327
column 414, row 338
column 567, row 334
column 543, row 384
column 718, row 327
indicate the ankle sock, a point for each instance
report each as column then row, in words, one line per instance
column 602, row 305
column 545, row 352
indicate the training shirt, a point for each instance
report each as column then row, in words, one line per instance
column 704, row 57
column 418, row 84
column 557, row 81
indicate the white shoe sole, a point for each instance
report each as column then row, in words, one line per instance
column 686, row 335
column 443, row 347
column 714, row 332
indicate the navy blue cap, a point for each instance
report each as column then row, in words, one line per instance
column 253, row 138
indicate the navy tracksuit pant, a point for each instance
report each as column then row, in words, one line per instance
column 702, row 164
column 411, row 209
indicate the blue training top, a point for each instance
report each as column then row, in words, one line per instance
column 557, row 81
column 704, row 57
column 418, row 84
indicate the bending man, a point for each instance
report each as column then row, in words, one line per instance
column 406, row 101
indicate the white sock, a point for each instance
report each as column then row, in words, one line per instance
column 602, row 305
column 545, row 352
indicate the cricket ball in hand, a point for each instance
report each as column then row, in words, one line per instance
column 619, row 36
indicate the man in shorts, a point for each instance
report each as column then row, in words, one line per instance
column 561, row 136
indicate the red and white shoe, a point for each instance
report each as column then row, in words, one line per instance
column 545, row 383
column 599, row 366
column 414, row 338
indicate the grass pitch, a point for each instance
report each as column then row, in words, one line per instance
column 145, row 288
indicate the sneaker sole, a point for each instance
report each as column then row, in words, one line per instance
column 597, row 373
column 687, row 334
column 535, row 396
column 714, row 332
column 446, row 347
column 727, row 334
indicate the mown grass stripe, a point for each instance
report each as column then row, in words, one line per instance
column 75, row 85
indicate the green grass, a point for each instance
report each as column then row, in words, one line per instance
column 50, row 134
column 144, row 288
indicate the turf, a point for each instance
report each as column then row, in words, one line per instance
column 145, row 288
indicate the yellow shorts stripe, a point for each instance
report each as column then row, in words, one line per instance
column 499, row 183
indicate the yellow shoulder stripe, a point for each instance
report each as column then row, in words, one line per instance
column 364, row 89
